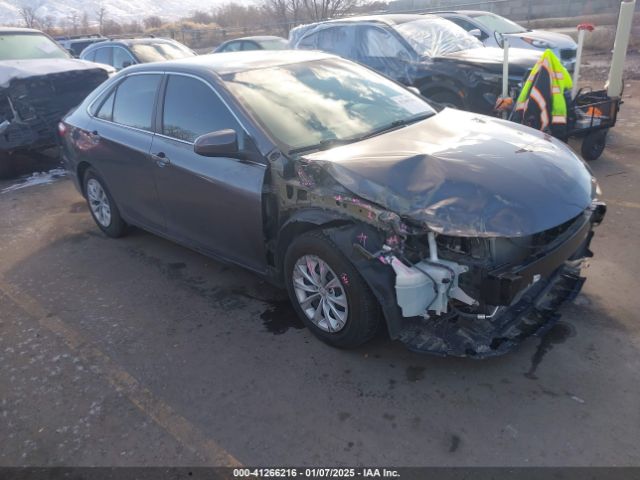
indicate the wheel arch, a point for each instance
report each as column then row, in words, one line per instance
column 81, row 170
column 301, row 222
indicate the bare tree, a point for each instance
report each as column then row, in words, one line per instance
column 319, row 10
column 286, row 13
column 84, row 21
column 152, row 22
column 47, row 23
column 101, row 16
column 29, row 16
column 74, row 21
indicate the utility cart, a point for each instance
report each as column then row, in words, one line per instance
column 590, row 116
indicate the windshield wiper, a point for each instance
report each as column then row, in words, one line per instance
column 395, row 125
column 334, row 142
column 323, row 145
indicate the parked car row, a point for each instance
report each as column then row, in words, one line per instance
column 460, row 233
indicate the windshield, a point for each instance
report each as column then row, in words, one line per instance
column 499, row 24
column 274, row 44
column 436, row 36
column 159, row 51
column 305, row 104
column 23, row 46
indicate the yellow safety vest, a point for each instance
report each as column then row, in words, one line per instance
column 560, row 81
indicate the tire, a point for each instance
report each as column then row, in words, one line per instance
column 593, row 145
column 446, row 99
column 361, row 316
column 102, row 206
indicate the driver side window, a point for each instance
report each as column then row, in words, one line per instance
column 380, row 43
column 191, row 108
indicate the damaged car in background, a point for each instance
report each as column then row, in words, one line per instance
column 462, row 233
column 39, row 83
column 448, row 65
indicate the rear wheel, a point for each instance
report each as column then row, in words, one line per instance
column 103, row 209
column 328, row 293
column 593, row 145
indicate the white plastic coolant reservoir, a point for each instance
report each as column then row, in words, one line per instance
column 414, row 290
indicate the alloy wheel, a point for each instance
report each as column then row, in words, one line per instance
column 99, row 202
column 320, row 293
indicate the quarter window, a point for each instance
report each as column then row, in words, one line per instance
column 192, row 109
column 106, row 110
column 134, row 100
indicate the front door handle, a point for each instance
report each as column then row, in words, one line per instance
column 161, row 159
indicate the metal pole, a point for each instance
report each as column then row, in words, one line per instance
column 505, row 73
column 576, row 72
column 623, row 32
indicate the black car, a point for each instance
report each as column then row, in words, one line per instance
column 446, row 63
column 39, row 84
column 75, row 44
column 124, row 52
column 262, row 42
column 462, row 233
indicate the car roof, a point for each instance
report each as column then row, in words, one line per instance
column 232, row 62
column 389, row 18
column 468, row 13
column 257, row 38
column 19, row 30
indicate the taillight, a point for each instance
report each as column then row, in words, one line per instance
column 62, row 129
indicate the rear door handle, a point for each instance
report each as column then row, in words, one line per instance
column 161, row 159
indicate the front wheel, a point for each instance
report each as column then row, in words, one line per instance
column 328, row 293
column 103, row 209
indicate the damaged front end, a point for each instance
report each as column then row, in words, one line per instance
column 32, row 101
column 476, row 297
column 467, row 253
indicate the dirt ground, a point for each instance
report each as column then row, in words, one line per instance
column 140, row 352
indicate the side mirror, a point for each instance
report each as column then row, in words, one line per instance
column 476, row 32
column 223, row 143
column 126, row 64
column 414, row 90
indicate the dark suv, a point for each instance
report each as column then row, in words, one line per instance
column 447, row 64
column 124, row 52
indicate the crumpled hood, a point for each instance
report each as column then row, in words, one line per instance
column 491, row 58
column 14, row 69
column 466, row 174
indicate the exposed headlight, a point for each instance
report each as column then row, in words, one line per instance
column 538, row 43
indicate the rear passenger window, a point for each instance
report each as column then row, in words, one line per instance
column 134, row 100
column 91, row 56
column 192, row 109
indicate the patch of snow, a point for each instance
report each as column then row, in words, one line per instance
column 38, row 178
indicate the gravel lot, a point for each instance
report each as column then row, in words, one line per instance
column 140, row 352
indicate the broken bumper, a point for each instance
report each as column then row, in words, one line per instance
column 534, row 314
column 530, row 295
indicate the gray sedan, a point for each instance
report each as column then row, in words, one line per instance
column 492, row 29
column 460, row 233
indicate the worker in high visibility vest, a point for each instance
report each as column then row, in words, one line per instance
column 542, row 103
